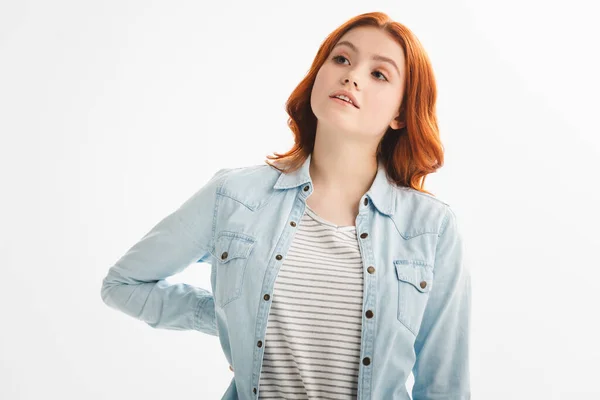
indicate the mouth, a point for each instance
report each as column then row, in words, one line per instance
column 343, row 102
column 348, row 95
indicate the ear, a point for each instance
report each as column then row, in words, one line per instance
column 398, row 121
column 395, row 124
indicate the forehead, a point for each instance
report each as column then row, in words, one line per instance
column 373, row 41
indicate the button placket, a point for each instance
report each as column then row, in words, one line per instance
column 369, row 314
column 266, row 296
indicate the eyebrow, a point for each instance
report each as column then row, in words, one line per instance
column 375, row 57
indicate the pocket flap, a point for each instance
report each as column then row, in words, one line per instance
column 418, row 275
column 231, row 245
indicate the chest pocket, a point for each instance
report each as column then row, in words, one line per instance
column 414, row 284
column 231, row 251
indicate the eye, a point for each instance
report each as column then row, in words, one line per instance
column 338, row 57
column 335, row 58
column 384, row 78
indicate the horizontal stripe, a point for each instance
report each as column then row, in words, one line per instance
column 312, row 342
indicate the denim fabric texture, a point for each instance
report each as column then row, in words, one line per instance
column 417, row 287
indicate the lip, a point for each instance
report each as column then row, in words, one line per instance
column 346, row 93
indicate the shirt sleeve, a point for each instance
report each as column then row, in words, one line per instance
column 136, row 284
column 441, row 370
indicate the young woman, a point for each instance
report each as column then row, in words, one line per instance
column 334, row 273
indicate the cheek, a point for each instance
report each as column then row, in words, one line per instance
column 320, row 89
column 381, row 103
column 321, row 80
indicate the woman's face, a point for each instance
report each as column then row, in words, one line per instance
column 377, row 85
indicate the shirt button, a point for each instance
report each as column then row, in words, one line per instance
column 369, row 314
column 254, row 390
column 306, row 188
column 364, row 235
column 259, row 344
column 371, row 270
column 292, row 223
column 423, row 284
column 224, row 255
column 366, row 202
column 266, row 296
column 278, row 256
column 230, row 368
column 366, row 361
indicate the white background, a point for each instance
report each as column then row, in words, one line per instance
column 112, row 113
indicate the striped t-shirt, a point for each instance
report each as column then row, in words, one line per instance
column 312, row 341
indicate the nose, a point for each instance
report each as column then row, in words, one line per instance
column 346, row 81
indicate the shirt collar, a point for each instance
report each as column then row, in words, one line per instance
column 381, row 192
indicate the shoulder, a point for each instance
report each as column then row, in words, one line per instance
column 250, row 184
column 248, row 175
column 426, row 212
column 421, row 197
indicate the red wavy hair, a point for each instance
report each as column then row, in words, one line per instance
column 410, row 153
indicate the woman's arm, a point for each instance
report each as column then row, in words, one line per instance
column 136, row 283
column 441, row 369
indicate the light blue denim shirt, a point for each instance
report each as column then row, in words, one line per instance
column 416, row 294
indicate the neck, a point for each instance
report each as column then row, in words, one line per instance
column 341, row 167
